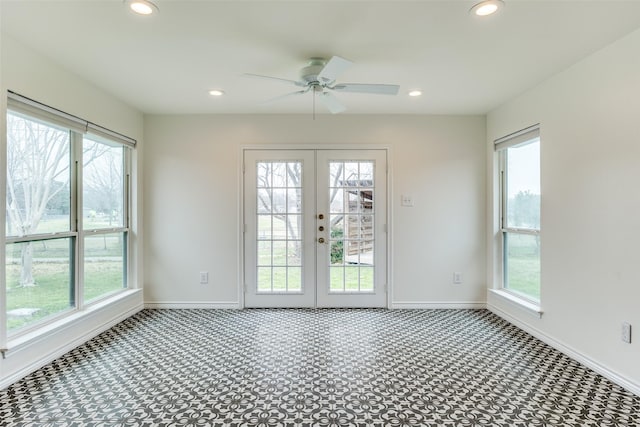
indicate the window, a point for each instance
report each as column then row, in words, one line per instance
column 66, row 214
column 103, row 217
column 519, row 156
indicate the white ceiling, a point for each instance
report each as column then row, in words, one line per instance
column 167, row 62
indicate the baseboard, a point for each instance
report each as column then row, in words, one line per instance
column 394, row 305
column 192, row 304
column 430, row 305
column 60, row 351
column 570, row 352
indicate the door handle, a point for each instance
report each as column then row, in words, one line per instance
column 321, row 240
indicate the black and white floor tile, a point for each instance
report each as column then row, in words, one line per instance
column 316, row 368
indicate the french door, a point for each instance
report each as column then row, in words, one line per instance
column 315, row 228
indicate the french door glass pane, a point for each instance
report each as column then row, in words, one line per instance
column 279, row 226
column 103, row 185
column 522, row 264
column 38, row 173
column 351, row 193
column 39, row 280
column 104, row 266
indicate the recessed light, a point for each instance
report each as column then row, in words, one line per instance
column 486, row 7
column 415, row 92
column 142, row 7
column 216, row 92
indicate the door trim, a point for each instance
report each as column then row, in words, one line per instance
column 241, row 289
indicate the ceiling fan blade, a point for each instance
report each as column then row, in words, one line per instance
column 259, row 76
column 367, row 88
column 334, row 67
column 332, row 103
column 286, row 95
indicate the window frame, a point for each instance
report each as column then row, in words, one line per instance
column 521, row 138
column 77, row 129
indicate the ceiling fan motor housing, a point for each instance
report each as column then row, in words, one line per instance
column 309, row 74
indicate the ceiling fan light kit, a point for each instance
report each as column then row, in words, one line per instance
column 486, row 7
column 319, row 77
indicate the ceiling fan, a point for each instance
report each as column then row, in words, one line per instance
column 319, row 77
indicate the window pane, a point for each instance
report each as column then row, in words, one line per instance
column 39, row 281
column 38, row 172
column 366, row 173
column 264, row 252
column 294, row 200
column 279, row 282
column 264, row 227
column 351, row 279
column 522, row 264
column 104, row 266
column 337, row 200
column 279, row 200
column 294, row 227
column 279, row 252
column 279, row 174
column 366, row 279
column 264, row 279
column 294, row 252
column 264, row 200
column 294, row 279
column 523, row 186
column 336, row 279
column 103, row 185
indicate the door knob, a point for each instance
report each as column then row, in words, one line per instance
column 321, row 228
column 321, row 216
column 321, row 240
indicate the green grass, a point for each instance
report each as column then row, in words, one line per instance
column 101, row 278
column 50, row 295
column 523, row 265
column 277, row 267
column 283, row 279
column 351, row 278
column 52, row 292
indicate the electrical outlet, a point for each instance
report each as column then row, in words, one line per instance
column 457, row 278
column 406, row 200
column 204, row 277
column 626, row 332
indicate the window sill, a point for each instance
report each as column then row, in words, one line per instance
column 526, row 305
column 24, row 340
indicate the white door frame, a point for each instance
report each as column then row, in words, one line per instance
column 389, row 211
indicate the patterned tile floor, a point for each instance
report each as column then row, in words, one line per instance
column 316, row 368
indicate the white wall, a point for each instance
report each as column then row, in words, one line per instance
column 35, row 76
column 191, row 199
column 590, row 230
